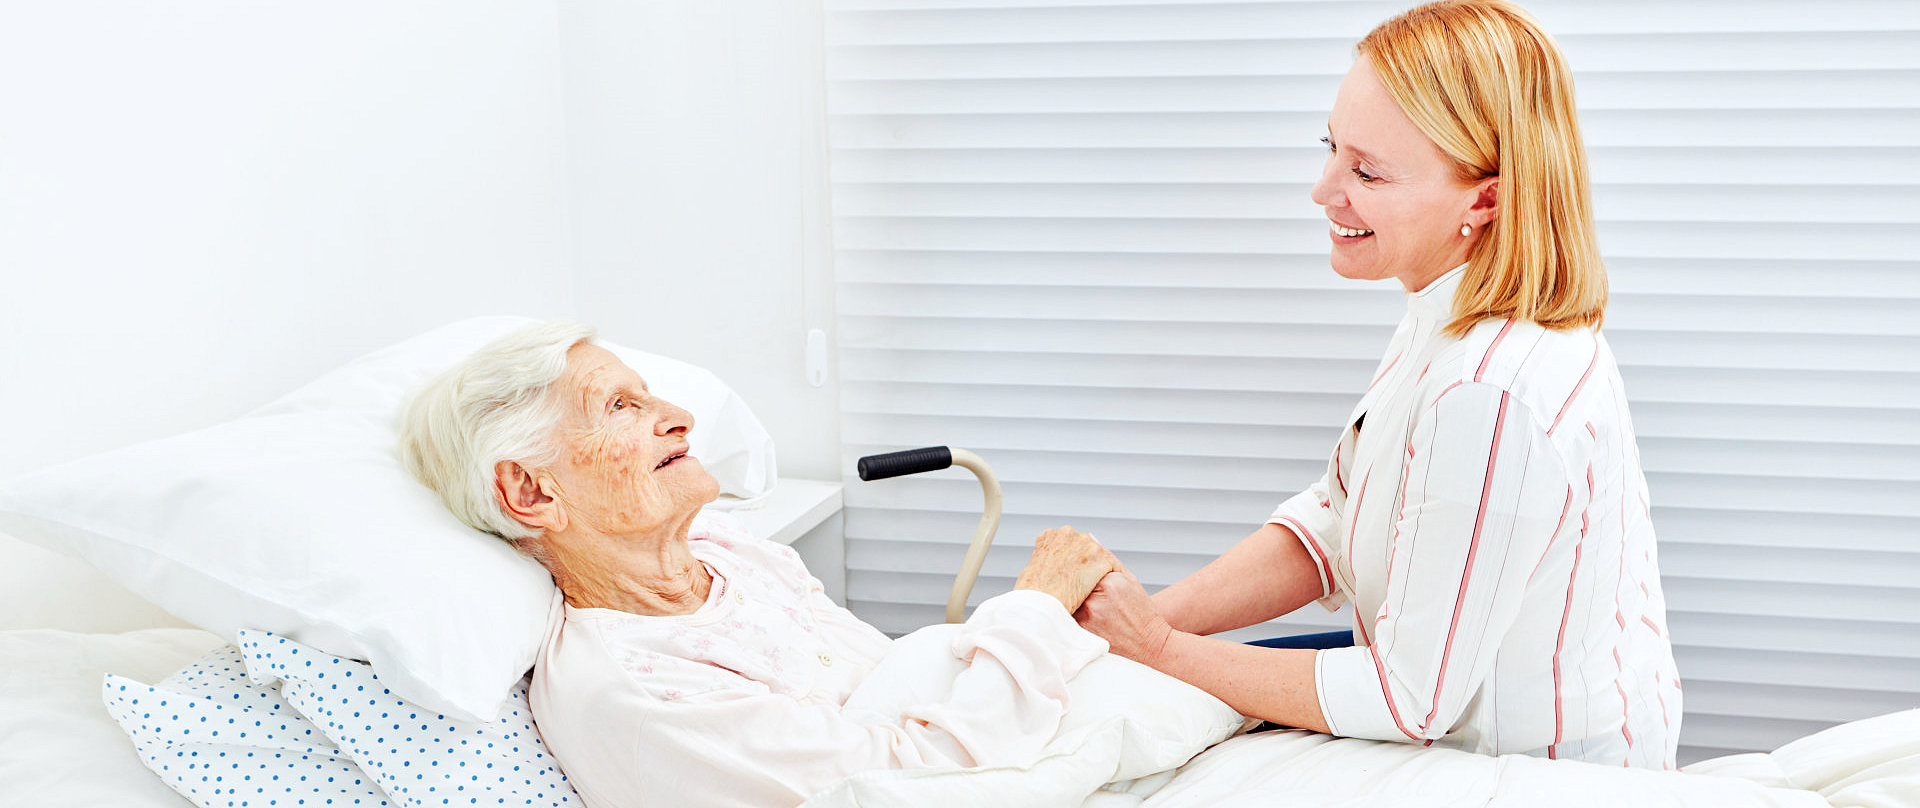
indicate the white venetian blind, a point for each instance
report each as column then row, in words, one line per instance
column 1074, row 237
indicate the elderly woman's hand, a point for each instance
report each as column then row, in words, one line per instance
column 1120, row 612
column 1065, row 564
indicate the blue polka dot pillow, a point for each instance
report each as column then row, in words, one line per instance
column 224, row 742
column 419, row 758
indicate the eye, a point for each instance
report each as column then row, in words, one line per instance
column 1355, row 168
column 619, row 403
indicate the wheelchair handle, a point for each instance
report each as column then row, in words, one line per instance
column 935, row 458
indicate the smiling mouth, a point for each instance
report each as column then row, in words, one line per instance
column 669, row 461
column 1351, row 232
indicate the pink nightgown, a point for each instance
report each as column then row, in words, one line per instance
column 739, row 703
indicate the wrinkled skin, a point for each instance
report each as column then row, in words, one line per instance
column 614, row 436
column 616, row 520
column 1066, row 564
column 616, row 505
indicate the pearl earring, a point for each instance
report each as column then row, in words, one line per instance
column 1466, row 229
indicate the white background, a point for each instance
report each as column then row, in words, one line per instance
column 206, row 203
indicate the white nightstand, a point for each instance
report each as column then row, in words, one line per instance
column 805, row 514
column 794, row 507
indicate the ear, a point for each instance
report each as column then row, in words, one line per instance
column 1486, row 202
column 527, row 497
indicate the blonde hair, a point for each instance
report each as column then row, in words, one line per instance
column 1488, row 85
column 492, row 406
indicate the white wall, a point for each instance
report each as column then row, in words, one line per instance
column 696, row 165
column 204, row 204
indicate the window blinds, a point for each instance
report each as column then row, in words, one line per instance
column 1074, row 237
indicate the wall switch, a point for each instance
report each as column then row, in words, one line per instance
column 816, row 357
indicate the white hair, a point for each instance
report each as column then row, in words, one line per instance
column 491, row 407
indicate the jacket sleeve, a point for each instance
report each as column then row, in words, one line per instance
column 1314, row 516
column 1483, row 496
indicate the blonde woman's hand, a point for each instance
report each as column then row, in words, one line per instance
column 1065, row 564
column 1120, row 612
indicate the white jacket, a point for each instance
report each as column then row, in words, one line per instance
column 1486, row 514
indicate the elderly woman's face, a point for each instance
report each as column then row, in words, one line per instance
column 623, row 466
column 1391, row 194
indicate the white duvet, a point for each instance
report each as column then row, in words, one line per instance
column 1131, row 738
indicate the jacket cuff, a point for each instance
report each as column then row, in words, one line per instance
column 1315, row 526
column 1356, row 700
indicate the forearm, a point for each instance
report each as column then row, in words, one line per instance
column 1272, row 684
column 1266, row 575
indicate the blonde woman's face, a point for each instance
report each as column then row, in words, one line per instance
column 1390, row 194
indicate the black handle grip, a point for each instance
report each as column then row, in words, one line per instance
column 910, row 461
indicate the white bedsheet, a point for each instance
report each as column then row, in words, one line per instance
column 1320, row 770
column 1873, row 763
column 60, row 749
column 58, row 746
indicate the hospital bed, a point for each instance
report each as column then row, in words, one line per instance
column 61, row 750
column 70, row 626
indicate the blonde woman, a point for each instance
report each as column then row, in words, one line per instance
column 1484, row 510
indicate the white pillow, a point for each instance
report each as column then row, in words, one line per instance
column 299, row 519
column 222, row 741
column 417, row 757
column 729, row 440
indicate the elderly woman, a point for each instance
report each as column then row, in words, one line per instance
column 697, row 665
column 1484, row 509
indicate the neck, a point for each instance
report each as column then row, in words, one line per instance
column 1416, row 281
column 651, row 574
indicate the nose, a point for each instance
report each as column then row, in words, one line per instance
column 672, row 420
column 1328, row 191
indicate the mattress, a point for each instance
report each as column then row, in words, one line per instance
column 58, row 747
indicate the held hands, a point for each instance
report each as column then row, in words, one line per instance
column 1066, row 564
column 1120, row 612
column 1102, row 594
